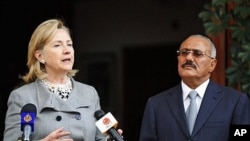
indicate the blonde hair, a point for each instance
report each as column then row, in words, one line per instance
column 40, row 37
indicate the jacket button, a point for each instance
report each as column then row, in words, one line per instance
column 58, row 118
column 78, row 117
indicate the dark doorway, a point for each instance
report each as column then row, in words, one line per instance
column 147, row 70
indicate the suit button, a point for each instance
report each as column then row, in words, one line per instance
column 58, row 118
column 78, row 117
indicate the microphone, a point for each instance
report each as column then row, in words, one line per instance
column 28, row 115
column 106, row 124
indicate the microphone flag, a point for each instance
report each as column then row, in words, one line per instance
column 106, row 122
column 27, row 119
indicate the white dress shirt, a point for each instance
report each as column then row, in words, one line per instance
column 200, row 90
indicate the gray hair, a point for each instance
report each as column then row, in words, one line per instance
column 212, row 46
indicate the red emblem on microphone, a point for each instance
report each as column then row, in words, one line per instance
column 106, row 121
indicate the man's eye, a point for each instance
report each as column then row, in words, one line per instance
column 198, row 53
column 185, row 52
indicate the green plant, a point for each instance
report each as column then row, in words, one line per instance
column 232, row 16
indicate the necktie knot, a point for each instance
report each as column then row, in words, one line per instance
column 192, row 94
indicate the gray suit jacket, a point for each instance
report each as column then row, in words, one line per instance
column 76, row 114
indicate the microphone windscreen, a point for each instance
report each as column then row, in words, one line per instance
column 99, row 114
column 29, row 108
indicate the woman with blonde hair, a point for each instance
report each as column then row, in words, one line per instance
column 65, row 107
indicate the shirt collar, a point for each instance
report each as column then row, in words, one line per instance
column 200, row 90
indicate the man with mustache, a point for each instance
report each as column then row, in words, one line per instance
column 216, row 107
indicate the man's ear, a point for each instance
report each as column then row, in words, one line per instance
column 212, row 65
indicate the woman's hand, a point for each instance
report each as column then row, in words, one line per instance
column 57, row 135
column 120, row 131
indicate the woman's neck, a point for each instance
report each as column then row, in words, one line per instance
column 57, row 80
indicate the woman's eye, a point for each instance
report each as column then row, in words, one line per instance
column 57, row 45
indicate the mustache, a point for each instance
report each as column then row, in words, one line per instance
column 189, row 63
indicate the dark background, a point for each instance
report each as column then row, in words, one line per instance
column 125, row 49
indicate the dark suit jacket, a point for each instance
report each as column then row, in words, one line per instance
column 165, row 120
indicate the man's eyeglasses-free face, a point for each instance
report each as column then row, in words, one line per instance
column 196, row 53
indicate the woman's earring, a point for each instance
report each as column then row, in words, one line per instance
column 43, row 61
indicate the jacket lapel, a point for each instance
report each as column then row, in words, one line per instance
column 175, row 102
column 49, row 100
column 210, row 100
